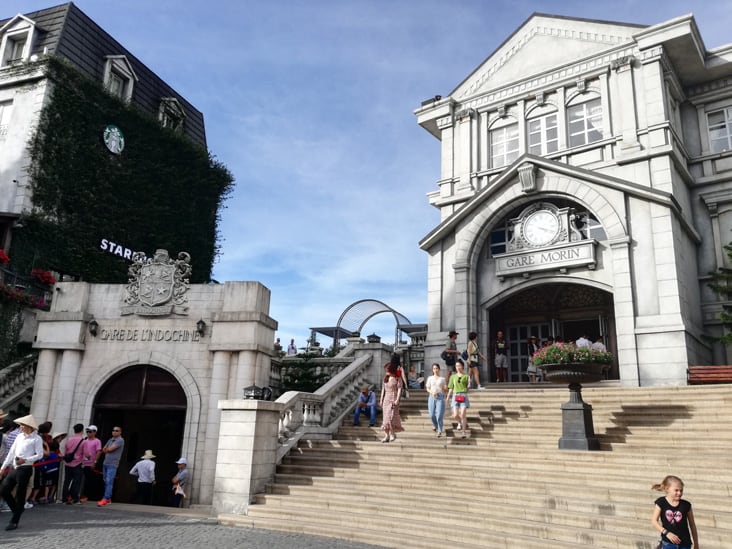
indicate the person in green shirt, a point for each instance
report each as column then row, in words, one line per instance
column 458, row 389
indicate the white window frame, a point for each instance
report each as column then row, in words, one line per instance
column 543, row 124
column 119, row 77
column 591, row 118
column 504, row 143
column 19, row 30
column 723, row 141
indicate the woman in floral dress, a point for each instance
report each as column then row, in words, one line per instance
column 391, row 392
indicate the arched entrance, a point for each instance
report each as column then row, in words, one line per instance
column 557, row 310
column 150, row 406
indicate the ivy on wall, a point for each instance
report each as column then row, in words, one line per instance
column 163, row 191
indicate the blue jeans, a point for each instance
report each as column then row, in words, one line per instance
column 436, row 408
column 108, row 473
column 372, row 414
column 669, row 545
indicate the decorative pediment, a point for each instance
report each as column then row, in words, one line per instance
column 542, row 43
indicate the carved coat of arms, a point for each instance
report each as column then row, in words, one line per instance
column 158, row 285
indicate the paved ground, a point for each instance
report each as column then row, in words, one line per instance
column 121, row 526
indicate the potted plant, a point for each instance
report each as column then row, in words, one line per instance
column 567, row 363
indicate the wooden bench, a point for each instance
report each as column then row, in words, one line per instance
column 697, row 375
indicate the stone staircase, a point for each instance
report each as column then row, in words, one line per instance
column 507, row 485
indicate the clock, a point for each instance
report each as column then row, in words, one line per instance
column 541, row 227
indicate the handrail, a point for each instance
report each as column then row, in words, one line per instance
column 320, row 413
column 16, row 380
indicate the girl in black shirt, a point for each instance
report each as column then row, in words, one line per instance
column 673, row 517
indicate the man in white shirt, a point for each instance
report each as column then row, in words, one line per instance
column 27, row 448
column 144, row 470
column 582, row 341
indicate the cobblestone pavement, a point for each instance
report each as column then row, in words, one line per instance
column 121, row 526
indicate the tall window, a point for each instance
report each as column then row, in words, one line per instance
column 504, row 145
column 5, row 108
column 585, row 122
column 14, row 47
column 720, row 130
column 543, row 134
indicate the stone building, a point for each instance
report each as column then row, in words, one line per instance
column 154, row 357
column 585, row 188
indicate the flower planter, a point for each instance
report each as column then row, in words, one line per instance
column 578, row 432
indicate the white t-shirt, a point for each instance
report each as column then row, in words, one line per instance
column 435, row 384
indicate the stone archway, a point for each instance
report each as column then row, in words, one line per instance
column 150, row 405
column 556, row 309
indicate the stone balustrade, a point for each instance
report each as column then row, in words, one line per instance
column 16, row 383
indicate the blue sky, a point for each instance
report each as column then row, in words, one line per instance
column 310, row 105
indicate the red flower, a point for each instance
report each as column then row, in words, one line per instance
column 43, row 276
column 4, row 259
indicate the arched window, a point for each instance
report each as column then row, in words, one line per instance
column 584, row 221
column 584, row 119
column 542, row 133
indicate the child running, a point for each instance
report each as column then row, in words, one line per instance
column 673, row 517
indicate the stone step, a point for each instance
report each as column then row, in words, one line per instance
column 481, row 525
column 560, row 511
column 519, row 491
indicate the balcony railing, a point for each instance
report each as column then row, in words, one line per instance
column 13, row 280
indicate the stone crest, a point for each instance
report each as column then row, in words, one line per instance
column 157, row 286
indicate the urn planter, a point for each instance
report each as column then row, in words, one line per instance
column 578, row 432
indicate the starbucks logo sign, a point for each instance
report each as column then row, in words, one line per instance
column 113, row 139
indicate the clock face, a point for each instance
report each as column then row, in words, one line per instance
column 541, row 227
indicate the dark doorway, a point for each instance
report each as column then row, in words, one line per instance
column 557, row 310
column 149, row 405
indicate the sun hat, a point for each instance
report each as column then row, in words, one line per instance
column 28, row 420
column 182, row 461
column 59, row 434
column 452, row 333
column 147, row 455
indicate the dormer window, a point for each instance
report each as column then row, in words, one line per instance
column 171, row 113
column 17, row 38
column 119, row 78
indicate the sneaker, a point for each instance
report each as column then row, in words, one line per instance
column 103, row 502
column 481, row 388
column 439, row 434
column 84, row 498
column 392, row 438
column 459, row 426
column 28, row 505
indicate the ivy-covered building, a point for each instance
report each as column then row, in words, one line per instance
column 100, row 156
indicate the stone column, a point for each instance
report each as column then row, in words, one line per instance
column 219, row 390
column 45, row 372
column 63, row 396
column 246, row 372
column 625, row 315
column 247, row 453
column 625, row 103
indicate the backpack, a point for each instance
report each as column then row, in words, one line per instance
column 449, row 358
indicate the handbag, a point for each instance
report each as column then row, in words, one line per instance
column 459, row 398
column 69, row 456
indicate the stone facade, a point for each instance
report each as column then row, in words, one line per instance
column 210, row 362
column 584, row 165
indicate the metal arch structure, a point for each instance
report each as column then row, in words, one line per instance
column 358, row 313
